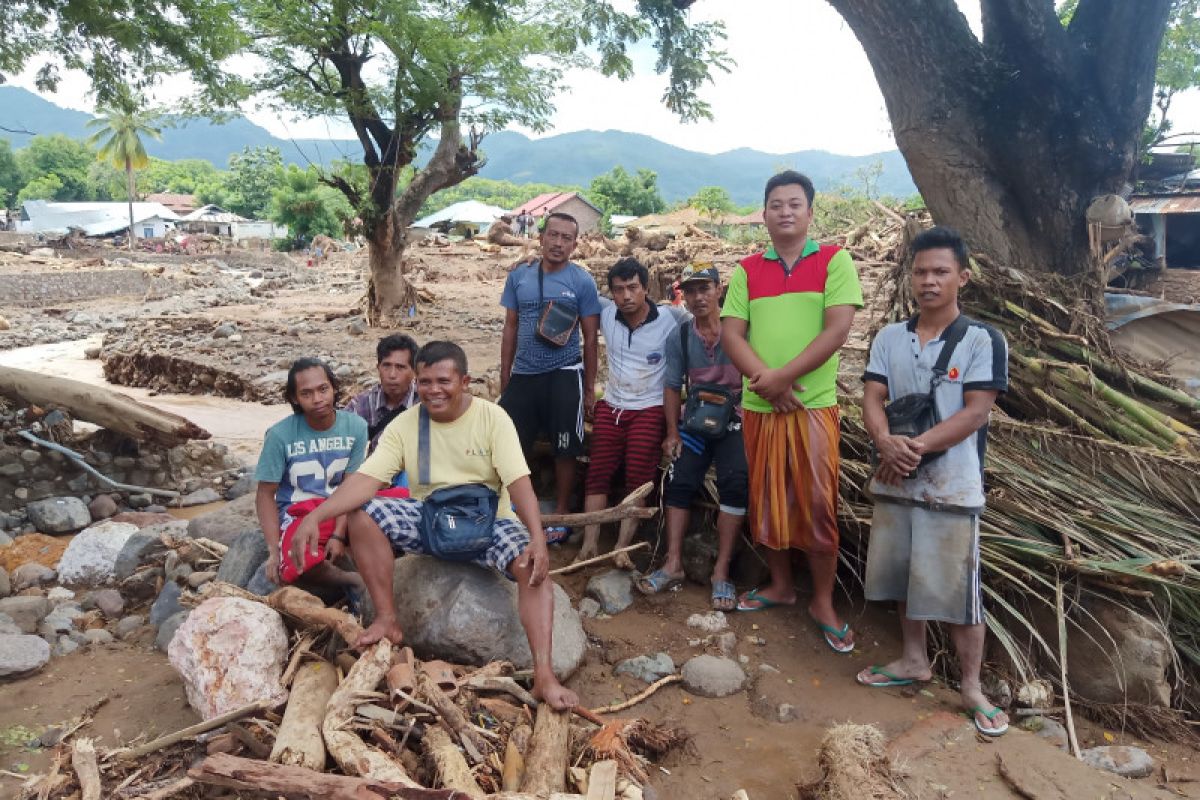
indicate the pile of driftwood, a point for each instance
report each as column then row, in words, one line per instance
column 380, row 725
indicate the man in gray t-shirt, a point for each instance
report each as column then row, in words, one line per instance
column 924, row 548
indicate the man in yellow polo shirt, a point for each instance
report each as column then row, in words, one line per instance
column 469, row 441
column 787, row 312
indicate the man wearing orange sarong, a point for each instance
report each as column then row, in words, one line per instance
column 787, row 312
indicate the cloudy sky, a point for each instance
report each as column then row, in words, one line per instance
column 801, row 82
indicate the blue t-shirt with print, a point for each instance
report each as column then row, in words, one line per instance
column 573, row 287
column 307, row 463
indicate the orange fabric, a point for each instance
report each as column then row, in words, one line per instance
column 794, row 465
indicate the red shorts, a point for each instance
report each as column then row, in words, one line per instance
column 632, row 438
column 292, row 517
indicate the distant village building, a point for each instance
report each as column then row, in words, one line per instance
column 467, row 217
column 213, row 219
column 572, row 203
column 1173, row 220
column 181, row 204
column 150, row 220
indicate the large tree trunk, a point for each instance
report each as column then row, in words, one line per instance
column 389, row 294
column 1009, row 138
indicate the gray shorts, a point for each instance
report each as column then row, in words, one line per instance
column 927, row 559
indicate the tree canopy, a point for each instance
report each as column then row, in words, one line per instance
column 618, row 192
column 712, row 201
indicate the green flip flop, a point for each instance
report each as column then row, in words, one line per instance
column 990, row 715
column 763, row 602
column 892, row 680
column 833, row 635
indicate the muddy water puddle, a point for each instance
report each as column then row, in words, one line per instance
column 237, row 424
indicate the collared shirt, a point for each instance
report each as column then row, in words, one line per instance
column 572, row 287
column 372, row 406
column 979, row 363
column 637, row 361
column 785, row 310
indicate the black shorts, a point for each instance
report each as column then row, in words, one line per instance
column 549, row 403
column 687, row 472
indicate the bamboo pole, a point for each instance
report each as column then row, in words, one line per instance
column 1072, row 737
column 131, row 753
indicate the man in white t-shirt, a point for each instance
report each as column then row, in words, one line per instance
column 628, row 424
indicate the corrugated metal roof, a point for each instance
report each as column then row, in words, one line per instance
column 1166, row 204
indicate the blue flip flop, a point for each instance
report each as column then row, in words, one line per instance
column 724, row 590
column 658, row 581
column 557, row 534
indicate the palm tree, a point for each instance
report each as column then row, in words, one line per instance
column 119, row 131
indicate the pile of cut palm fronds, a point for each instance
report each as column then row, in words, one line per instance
column 1093, row 472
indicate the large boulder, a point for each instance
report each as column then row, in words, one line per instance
column 58, row 514
column 468, row 614
column 91, row 557
column 225, row 524
column 246, row 554
column 230, row 652
column 22, row 654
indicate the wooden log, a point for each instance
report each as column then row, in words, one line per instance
column 83, row 759
column 350, row 752
column 547, row 755
column 132, row 753
column 503, row 684
column 454, row 718
column 448, row 763
column 309, row 610
column 264, row 777
column 629, row 507
column 602, row 781
column 513, row 770
column 299, row 741
column 104, row 407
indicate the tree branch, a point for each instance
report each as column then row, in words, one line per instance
column 1120, row 42
column 1026, row 35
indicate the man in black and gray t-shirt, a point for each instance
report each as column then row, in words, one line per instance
column 924, row 548
column 702, row 367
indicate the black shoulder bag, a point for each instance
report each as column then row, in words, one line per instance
column 710, row 406
column 557, row 322
column 916, row 413
column 456, row 521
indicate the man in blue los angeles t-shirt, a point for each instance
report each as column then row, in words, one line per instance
column 304, row 458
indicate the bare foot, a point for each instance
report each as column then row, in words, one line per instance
column 897, row 670
column 549, row 690
column 585, row 553
column 381, row 629
column 623, row 561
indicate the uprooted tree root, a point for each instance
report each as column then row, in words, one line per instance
column 854, row 766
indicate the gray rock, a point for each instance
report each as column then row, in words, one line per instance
column 109, row 601
column 247, row 552
column 5, row 583
column 91, row 557
column 143, row 584
column 224, row 330
column 26, row 612
column 144, row 546
column 197, row 579
column 59, row 595
column 243, row 486
column 102, row 507
column 1123, row 760
column 612, row 589
column 700, row 554
column 588, row 608
column 61, row 619
column 97, row 636
column 344, row 371
column 127, row 625
column 225, row 524
column 787, row 713
column 712, row 676
column 468, row 615
column 260, row 584
column 1048, row 729
column 21, row 654
column 31, row 574
column 5, row 539
column 200, row 497
column 166, row 604
column 58, row 514
column 647, row 669
column 64, row 646
column 357, row 328
column 8, row 626
column 166, row 631
column 140, row 500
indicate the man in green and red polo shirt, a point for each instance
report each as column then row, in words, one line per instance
column 787, row 312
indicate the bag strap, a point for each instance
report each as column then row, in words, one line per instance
column 423, row 447
column 541, row 288
column 953, row 334
column 683, row 342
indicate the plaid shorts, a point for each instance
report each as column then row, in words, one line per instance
column 400, row 520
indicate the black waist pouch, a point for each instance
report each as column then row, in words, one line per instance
column 557, row 321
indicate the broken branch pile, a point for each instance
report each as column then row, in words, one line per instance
column 1091, row 469
column 392, row 726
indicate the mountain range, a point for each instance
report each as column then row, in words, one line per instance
column 563, row 159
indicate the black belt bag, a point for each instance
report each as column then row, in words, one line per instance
column 710, row 407
column 914, row 414
column 557, row 321
column 456, row 521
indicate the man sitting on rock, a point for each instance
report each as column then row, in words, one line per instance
column 304, row 458
column 396, row 390
column 468, row 442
